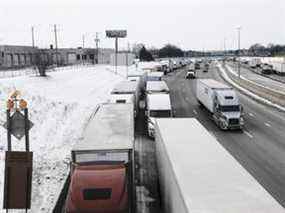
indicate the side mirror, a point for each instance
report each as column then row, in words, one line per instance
column 241, row 110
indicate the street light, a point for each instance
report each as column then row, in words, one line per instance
column 239, row 29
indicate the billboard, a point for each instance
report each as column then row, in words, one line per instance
column 116, row 33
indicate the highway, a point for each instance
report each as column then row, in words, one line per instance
column 260, row 147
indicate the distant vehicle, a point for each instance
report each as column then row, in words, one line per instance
column 154, row 76
column 191, row 67
column 255, row 62
column 190, row 74
column 222, row 102
column 197, row 174
column 139, row 76
column 206, row 67
column 158, row 105
column 102, row 169
column 197, row 65
column 156, row 87
column 126, row 91
column 279, row 68
column 266, row 69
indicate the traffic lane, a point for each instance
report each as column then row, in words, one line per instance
column 267, row 82
column 248, row 147
column 179, row 101
column 266, row 150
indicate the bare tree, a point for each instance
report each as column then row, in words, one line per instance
column 42, row 62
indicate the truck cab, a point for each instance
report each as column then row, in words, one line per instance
column 228, row 113
column 222, row 102
column 98, row 188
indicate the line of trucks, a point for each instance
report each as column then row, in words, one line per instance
column 267, row 66
column 195, row 173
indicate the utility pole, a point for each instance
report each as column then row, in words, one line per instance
column 225, row 47
column 83, row 41
column 56, row 47
column 127, row 59
column 238, row 29
column 97, row 40
column 33, row 37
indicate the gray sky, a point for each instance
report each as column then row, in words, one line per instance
column 190, row 24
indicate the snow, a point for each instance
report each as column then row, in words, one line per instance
column 248, row 93
column 60, row 106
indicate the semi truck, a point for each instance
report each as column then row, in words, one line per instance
column 154, row 76
column 279, row 68
column 102, row 167
column 156, row 87
column 255, row 62
column 158, row 105
column 126, row 91
column 222, row 102
column 197, row 174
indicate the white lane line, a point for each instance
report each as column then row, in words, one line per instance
column 251, row 115
column 195, row 112
column 248, row 134
column 267, row 124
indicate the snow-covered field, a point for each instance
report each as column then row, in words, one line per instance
column 59, row 106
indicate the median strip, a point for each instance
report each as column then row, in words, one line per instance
column 250, row 90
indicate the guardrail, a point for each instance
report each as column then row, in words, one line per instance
column 269, row 94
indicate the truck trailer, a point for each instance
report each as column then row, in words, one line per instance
column 102, row 167
column 197, row 174
column 156, row 87
column 222, row 102
column 131, row 90
column 158, row 105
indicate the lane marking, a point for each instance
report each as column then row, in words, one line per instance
column 248, row 134
column 267, row 124
column 195, row 112
column 251, row 115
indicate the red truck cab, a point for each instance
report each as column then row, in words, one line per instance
column 98, row 189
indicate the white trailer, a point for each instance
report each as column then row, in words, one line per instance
column 156, row 87
column 127, row 88
column 278, row 67
column 154, row 76
column 139, row 76
column 196, row 174
column 158, row 105
column 255, row 62
column 222, row 101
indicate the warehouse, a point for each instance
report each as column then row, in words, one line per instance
column 23, row 56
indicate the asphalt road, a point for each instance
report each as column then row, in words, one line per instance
column 146, row 174
column 260, row 147
column 259, row 79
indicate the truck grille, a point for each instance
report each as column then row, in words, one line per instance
column 233, row 121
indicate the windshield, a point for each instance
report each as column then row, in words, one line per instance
column 160, row 113
column 232, row 108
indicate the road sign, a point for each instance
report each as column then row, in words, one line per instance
column 18, row 125
column 116, row 33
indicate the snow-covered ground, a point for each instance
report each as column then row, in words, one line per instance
column 59, row 106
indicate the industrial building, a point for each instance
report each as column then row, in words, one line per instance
column 24, row 56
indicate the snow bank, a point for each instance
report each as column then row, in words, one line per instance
column 60, row 106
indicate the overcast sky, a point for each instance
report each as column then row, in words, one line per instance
column 190, row 24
